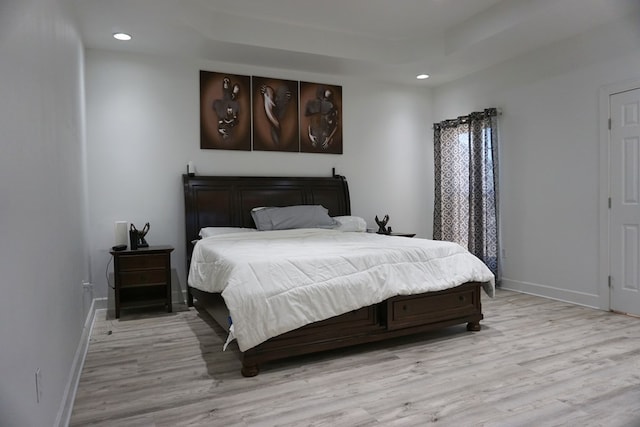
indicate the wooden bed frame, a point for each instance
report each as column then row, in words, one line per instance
column 227, row 201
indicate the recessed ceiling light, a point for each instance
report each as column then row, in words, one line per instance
column 422, row 76
column 121, row 36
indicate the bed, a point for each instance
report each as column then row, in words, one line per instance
column 221, row 201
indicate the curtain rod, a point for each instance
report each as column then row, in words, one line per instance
column 463, row 119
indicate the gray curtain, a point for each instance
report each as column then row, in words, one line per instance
column 466, row 184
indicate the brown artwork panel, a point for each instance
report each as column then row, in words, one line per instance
column 225, row 111
column 320, row 118
column 275, row 114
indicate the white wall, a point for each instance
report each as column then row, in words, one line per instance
column 143, row 128
column 550, row 155
column 43, row 258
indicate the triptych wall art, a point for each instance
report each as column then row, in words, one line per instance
column 268, row 114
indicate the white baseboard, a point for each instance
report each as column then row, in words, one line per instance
column 564, row 295
column 101, row 303
column 66, row 407
column 179, row 296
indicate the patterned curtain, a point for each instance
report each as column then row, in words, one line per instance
column 466, row 184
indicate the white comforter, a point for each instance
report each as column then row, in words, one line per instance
column 277, row 281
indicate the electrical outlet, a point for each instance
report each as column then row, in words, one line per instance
column 504, row 253
column 38, row 385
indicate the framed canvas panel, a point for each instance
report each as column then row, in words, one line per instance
column 275, row 114
column 320, row 118
column 225, row 111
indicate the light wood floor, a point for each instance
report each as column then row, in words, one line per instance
column 536, row 362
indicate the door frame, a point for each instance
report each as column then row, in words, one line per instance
column 604, row 267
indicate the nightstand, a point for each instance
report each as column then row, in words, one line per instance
column 403, row 234
column 399, row 234
column 142, row 277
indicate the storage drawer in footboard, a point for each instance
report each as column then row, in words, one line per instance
column 355, row 327
column 352, row 322
column 432, row 307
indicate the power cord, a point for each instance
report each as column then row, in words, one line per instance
column 106, row 273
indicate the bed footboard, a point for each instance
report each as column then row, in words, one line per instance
column 395, row 317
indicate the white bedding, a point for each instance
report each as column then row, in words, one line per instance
column 276, row 281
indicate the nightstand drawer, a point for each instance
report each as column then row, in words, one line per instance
column 134, row 262
column 142, row 277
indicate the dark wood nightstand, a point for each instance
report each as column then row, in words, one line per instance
column 142, row 277
column 403, row 234
column 399, row 234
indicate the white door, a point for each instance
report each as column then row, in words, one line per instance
column 624, row 219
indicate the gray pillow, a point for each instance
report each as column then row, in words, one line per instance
column 288, row 217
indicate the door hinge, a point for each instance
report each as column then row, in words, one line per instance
column 609, row 281
column 609, row 123
column 609, row 202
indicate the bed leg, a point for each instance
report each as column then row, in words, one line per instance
column 473, row 326
column 189, row 297
column 250, row 370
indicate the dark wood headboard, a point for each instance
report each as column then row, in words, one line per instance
column 226, row 201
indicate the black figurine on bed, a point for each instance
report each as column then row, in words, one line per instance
column 382, row 225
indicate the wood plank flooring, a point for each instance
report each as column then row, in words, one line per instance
column 536, row 362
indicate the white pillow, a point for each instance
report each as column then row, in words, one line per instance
column 350, row 223
column 217, row 231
